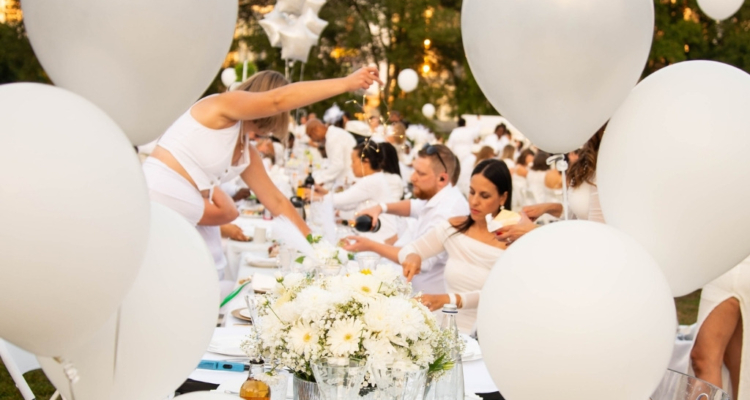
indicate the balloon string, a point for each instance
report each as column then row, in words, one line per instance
column 559, row 163
column 301, row 78
column 70, row 372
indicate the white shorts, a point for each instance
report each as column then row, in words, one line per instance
column 167, row 187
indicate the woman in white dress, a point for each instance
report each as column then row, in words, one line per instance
column 210, row 139
column 372, row 187
column 472, row 249
column 583, row 195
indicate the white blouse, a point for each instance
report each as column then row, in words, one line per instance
column 469, row 264
column 584, row 203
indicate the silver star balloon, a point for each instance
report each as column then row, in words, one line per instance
column 313, row 23
column 293, row 7
column 314, row 5
column 296, row 42
column 273, row 23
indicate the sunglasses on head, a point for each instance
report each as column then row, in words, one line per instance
column 431, row 150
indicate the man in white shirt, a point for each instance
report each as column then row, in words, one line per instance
column 462, row 139
column 436, row 200
column 339, row 145
column 499, row 139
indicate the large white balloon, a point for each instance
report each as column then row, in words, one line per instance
column 165, row 325
column 589, row 317
column 557, row 69
column 74, row 217
column 673, row 167
column 428, row 110
column 720, row 9
column 143, row 62
column 408, row 80
column 228, row 77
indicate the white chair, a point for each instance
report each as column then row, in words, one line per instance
column 19, row 362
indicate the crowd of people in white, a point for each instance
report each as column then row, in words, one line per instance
column 430, row 194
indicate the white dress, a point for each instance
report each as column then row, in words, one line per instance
column 583, row 203
column 735, row 283
column 536, row 187
column 466, row 270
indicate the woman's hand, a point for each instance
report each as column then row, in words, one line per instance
column 233, row 232
column 373, row 212
column 320, row 190
column 537, row 210
column 434, row 301
column 412, row 266
column 510, row 234
column 357, row 243
column 362, row 79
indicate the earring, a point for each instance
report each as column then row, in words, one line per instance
column 501, row 208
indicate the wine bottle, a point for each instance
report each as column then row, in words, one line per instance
column 309, row 181
column 363, row 223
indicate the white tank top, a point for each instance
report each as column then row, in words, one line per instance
column 205, row 153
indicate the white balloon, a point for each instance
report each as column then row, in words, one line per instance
column 314, row 5
column 408, row 80
column 720, row 9
column 557, row 69
column 152, row 59
column 228, row 76
column 273, row 23
column 74, row 217
column 672, row 170
column 428, row 110
column 590, row 317
column 293, row 7
column 313, row 23
column 296, row 42
column 166, row 322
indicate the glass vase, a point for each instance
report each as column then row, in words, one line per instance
column 305, row 390
column 399, row 383
column 339, row 378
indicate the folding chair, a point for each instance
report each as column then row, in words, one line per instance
column 19, row 362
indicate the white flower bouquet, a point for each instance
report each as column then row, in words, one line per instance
column 365, row 315
column 324, row 253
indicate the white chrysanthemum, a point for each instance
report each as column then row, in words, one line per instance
column 377, row 317
column 411, row 320
column 367, row 285
column 303, row 337
column 380, row 351
column 344, row 337
column 293, row 280
column 386, row 273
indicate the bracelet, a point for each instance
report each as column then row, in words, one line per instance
column 383, row 207
column 452, row 298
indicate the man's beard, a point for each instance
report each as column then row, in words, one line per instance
column 422, row 195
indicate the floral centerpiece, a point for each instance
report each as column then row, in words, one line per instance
column 366, row 315
column 324, row 253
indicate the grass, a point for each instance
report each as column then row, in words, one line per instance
column 687, row 313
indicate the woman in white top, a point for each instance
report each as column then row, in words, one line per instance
column 371, row 188
column 206, row 143
column 583, row 196
column 472, row 249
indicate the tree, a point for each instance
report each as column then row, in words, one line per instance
column 17, row 60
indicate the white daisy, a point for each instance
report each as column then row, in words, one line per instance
column 303, row 337
column 344, row 337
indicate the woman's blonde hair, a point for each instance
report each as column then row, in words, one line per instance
column 264, row 81
column 508, row 152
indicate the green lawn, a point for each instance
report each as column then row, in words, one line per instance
column 687, row 313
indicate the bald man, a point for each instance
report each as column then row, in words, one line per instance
column 339, row 145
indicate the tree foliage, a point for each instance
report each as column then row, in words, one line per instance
column 17, row 60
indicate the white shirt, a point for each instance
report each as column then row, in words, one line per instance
column 447, row 203
column 367, row 192
column 466, row 270
column 339, row 146
column 461, row 141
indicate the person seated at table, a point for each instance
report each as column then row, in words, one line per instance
column 338, row 145
column 392, row 171
column 472, row 249
column 436, row 199
column 210, row 142
column 372, row 187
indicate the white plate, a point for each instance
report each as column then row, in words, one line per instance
column 260, row 262
column 228, row 346
column 246, row 313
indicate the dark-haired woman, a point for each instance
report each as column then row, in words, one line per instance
column 472, row 249
column 392, row 171
column 371, row 189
